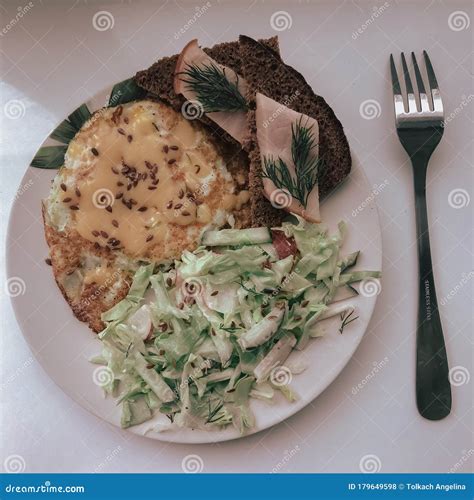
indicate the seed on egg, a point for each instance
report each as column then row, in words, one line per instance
column 63, row 186
column 94, row 152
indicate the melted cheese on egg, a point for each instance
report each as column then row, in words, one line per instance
column 141, row 179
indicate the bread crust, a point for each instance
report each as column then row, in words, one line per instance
column 292, row 90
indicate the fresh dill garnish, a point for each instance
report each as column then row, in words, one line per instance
column 308, row 166
column 212, row 416
column 347, row 318
column 213, row 89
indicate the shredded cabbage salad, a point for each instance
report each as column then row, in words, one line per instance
column 216, row 325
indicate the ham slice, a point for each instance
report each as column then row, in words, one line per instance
column 274, row 122
column 233, row 122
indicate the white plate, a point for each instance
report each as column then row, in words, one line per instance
column 63, row 345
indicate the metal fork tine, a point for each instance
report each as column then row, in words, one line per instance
column 437, row 102
column 410, row 95
column 430, row 72
column 420, row 85
column 397, row 92
column 406, row 74
column 395, row 82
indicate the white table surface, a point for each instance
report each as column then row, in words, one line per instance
column 53, row 59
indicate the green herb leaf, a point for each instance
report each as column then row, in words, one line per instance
column 64, row 132
column 68, row 128
column 346, row 319
column 124, row 92
column 49, row 157
column 79, row 116
column 308, row 165
column 213, row 89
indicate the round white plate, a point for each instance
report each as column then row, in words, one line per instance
column 63, row 345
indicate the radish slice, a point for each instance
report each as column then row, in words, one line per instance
column 140, row 321
column 274, row 121
column 233, row 122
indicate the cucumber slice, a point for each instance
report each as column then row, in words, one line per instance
column 264, row 330
column 234, row 237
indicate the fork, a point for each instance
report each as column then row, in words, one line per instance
column 420, row 128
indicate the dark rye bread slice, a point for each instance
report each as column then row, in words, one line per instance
column 266, row 73
column 158, row 78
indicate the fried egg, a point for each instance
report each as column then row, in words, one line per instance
column 140, row 182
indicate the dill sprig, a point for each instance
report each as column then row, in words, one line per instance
column 213, row 416
column 308, row 166
column 213, row 89
column 346, row 318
